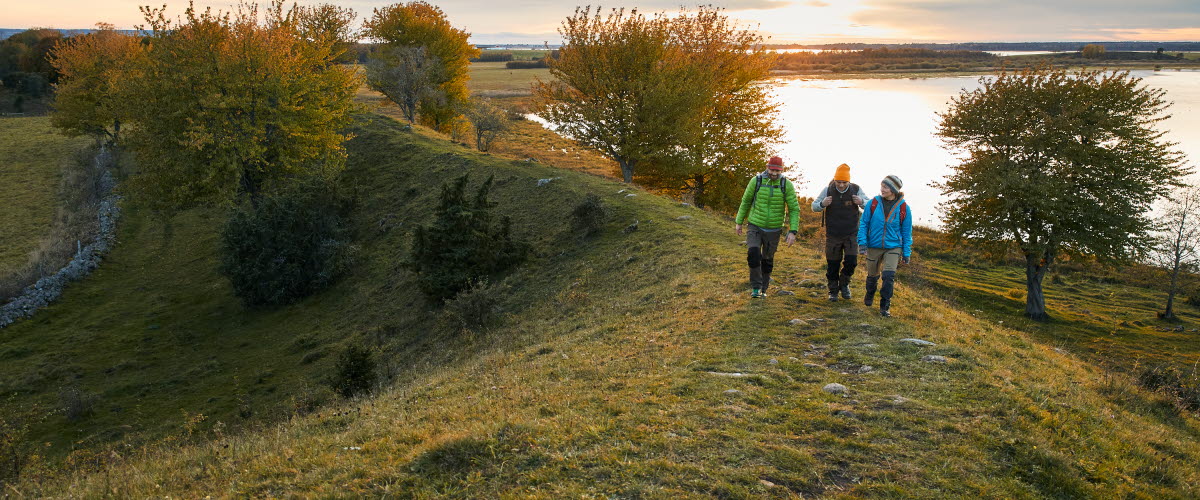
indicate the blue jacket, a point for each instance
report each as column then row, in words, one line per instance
column 895, row 232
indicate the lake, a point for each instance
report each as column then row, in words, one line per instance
column 886, row 126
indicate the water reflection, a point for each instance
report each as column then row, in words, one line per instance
column 886, row 126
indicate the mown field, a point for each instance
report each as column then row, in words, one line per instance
column 34, row 155
column 630, row 364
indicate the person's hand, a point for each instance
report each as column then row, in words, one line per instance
column 737, row 228
column 862, row 251
column 791, row 239
column 858, row 200
column 827, row 201
column 907, row 260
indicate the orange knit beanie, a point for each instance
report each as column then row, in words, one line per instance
column 843, row 173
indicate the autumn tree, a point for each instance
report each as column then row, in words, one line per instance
column 618, row 86
column 488, row 121
column 1057, row 162
column 88, row 97
column 24, row 67
column 736, row 126
column 26, row 52
column 420, row 24
column 331, row 23
column 675, row 100
column 1177, row 245
column 228, row 103
column 1092, row 51
column 407, row 76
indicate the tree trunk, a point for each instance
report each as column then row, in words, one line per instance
column 250, row 186
column 626, row 170
column 1035, row 300
column 698, row 192
column 1170, row 312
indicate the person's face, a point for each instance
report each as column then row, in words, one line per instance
column 841, row 185
column 774, row 172
column 885, row 190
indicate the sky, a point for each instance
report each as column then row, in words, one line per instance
column 784, row 21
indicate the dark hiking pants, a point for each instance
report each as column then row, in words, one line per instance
column 760, row 255
column 841, row 255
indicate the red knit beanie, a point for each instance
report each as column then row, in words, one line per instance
column 776, row 163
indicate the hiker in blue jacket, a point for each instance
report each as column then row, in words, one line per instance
column 885, row 238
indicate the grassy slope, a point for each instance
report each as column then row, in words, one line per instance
column 33, row 154
column 597, row 383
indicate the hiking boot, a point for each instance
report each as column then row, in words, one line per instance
column 833, row 296
column 885, row 313
column 844, row 286
column 869, row 294
column 756, row 294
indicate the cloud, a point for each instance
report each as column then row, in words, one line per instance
column 816, row 3
column 1028, row 19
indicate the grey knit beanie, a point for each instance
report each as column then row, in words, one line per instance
column 893, row 183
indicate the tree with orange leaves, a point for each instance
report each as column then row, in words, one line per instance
column 92, row 67
column 417, row 25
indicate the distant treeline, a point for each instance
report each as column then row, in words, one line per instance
column 877, row 59
column 8, row 32
column 1007, row 46
column 26, row 76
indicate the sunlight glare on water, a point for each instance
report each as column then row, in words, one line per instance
column 886, row 126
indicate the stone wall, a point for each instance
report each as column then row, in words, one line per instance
column 47, row 289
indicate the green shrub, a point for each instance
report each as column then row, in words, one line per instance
column 355, row 371
column 76, row 403
column 293, row 244
column 589, row 215
column 479, row 304
column 462, row 245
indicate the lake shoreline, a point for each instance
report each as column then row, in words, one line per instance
column 881, row 75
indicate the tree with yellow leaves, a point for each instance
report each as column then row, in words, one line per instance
column 231, row 103
column 676, row 101
column 92, row 67
column 420, row 25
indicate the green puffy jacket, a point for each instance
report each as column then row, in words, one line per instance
column 773, row 196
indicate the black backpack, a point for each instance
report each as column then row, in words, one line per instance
column 825, row 213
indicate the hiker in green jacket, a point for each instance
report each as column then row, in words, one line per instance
column 766, row 197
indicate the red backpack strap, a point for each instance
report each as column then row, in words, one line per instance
column 903, row 212
column 874, row 203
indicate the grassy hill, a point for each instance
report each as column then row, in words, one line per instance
column 34, row 155
column 631, row 364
